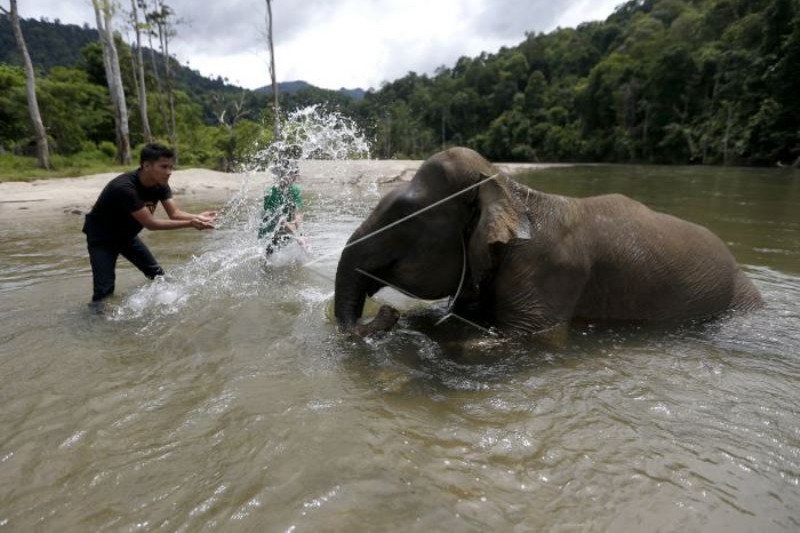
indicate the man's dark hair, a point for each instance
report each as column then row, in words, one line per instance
column 153, row 152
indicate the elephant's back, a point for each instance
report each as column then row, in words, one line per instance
column 648, row 265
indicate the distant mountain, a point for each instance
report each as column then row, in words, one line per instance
column 355, row 94
column 50, row 44
column 294, row 87
column 53, row 44
column 286, row 87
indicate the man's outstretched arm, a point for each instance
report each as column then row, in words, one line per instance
column 175, row 213
column 146, row 219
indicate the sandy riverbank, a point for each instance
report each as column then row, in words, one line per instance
column 50, row 197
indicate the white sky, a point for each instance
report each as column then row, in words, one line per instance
column 341, row 43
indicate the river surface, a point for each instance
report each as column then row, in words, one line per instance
column 221, row 398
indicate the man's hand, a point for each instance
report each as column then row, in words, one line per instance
column 207, row 218
column 201, row 222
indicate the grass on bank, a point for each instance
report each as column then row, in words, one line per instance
column 22, row 168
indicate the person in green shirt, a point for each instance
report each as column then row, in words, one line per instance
column 282, row 214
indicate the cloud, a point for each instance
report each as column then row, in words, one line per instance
column 362, row 43
column 344, row 43
column 511, row 19
column 68, row 11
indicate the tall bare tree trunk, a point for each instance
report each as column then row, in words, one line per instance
column 42, row 148
column 275, row 108
column 646, row 152
column 102, row 11
column 444, row 109
column 148, row 135
column 170, row 94
column 159, row 87
column 162, row 23
column 125, row 146
column 135, row 69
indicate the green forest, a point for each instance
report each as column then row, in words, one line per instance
column 659, row 81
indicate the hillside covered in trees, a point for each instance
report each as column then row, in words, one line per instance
column 663, row 81
column 215, row 120
column 659, row 81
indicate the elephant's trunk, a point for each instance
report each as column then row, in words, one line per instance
column 384, row 321
column 352, row 289
column 350, row 292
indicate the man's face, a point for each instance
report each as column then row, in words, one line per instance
column 159, row 171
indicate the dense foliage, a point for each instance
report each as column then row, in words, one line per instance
column 665, row 81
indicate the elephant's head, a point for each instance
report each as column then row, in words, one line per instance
column 431, row 236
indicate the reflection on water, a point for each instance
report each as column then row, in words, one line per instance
column 224, row 399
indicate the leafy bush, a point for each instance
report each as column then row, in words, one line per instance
column 108, row 149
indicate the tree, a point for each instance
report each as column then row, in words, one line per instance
column 14, row 118
column 78, row 115
column 148, row 136
column 275, row 109
column 147, row 25
column 162, row 17
column 783, row 79
column 42, row 148
column 228, row 114
column 103, row 10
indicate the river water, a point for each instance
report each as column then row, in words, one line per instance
column 222, row 397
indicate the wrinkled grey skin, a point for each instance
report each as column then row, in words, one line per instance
column 535, row 260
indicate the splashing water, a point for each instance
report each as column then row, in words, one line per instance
column 309, row 133
column 233, row 260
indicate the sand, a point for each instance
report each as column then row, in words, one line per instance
column 75, row 196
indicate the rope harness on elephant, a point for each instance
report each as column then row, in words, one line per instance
column 454, row 298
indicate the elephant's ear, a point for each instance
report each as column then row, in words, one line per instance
column 501, row 218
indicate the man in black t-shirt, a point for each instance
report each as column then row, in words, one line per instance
column 124, row 207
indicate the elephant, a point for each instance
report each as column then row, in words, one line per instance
column 524, row 261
